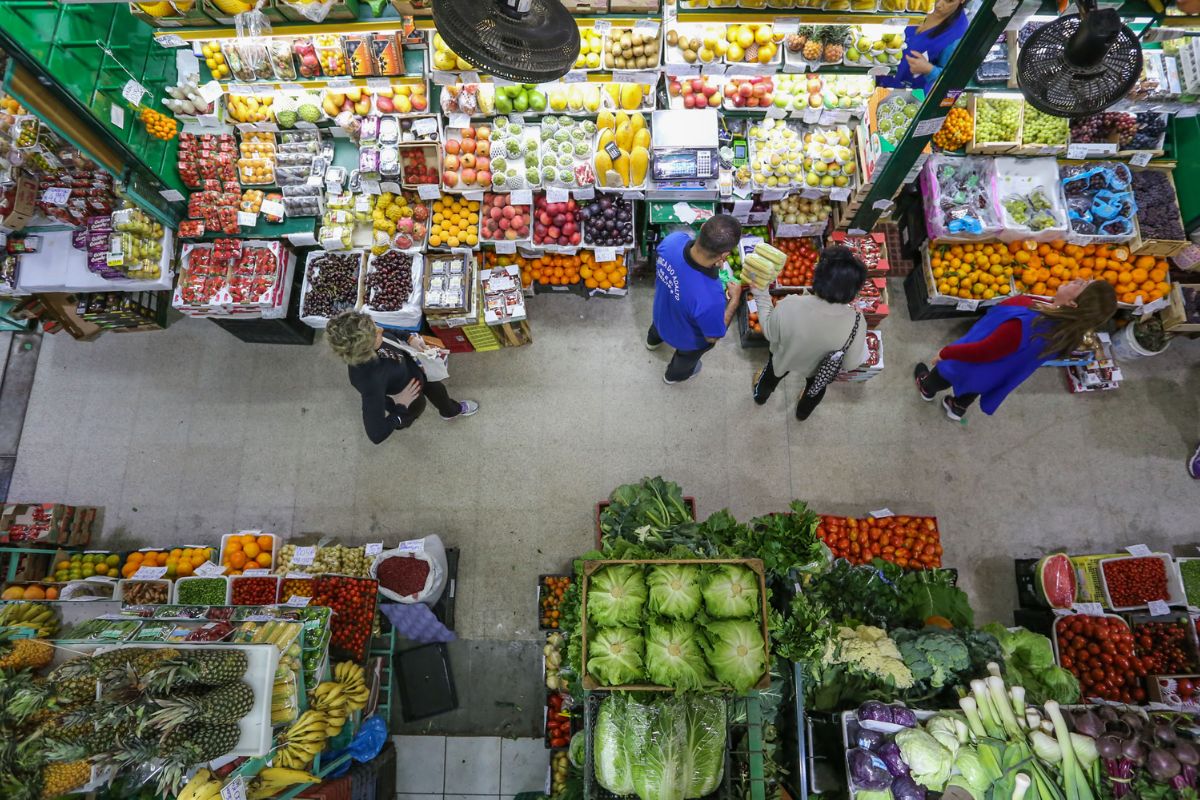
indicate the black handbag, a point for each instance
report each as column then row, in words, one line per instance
column 831, row 364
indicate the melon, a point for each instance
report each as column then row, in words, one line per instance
column 1056, row 581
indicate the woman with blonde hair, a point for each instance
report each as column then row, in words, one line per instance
column 392, row 383
column 1010, row 342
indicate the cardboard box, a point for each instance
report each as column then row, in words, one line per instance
column 46, row 523
column 17, row 203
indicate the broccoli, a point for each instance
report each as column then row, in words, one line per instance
column 934, row 655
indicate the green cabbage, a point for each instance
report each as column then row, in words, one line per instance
column 736, row 652
column 616, row 595
column 674, row 657
column 611, row 755
column 972, row 771
column 674, row 590
column 615, row 656
column 928, row 761
column 661, row 770
column 730, row 592
column 706, row 723
column 1029, row 662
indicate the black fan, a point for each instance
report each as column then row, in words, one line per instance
column 1079, row 64
column 528, row 41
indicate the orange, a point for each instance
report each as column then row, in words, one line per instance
column 248, row 539
column 265, row 543
column 263, row 559
column 51, row 593
column 176, row 554
column 135, row 558
column 197, row 560
column 128, row 570
column 184, row 569
column 251, row 550
column 234, row 545
column 1139, row 274
column 237, row 560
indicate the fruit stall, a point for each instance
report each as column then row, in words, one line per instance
column 255, row 666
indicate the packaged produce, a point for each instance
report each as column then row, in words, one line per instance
column 145, row 592
column 476, row 99
column 1029, row 200
column 329, row 53
column 201, row 591
column 960, row 198
column 282, row 63
column 1100, row 202
column 306, row 57
column 253, row 591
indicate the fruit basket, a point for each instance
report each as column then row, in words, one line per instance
column 997, row 123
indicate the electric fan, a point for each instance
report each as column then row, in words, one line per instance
column 1079, row 64
column 527, row 41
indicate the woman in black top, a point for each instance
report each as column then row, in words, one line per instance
column 391, row 382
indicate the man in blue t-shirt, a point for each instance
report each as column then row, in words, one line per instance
column 691, row 311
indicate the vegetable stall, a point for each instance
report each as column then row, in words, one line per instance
column 873, row 678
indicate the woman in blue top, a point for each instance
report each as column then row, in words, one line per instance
column 929, row 46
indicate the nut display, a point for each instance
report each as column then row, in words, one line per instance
column 144, row 593
column 389, row 281
column 333, row 284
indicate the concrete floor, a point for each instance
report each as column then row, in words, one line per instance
column 188, row 434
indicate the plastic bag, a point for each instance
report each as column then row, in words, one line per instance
column 315, row 11
column 432, row 552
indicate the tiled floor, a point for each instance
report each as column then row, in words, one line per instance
column 453, row 767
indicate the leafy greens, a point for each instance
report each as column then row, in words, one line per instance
column 736, row 652
column 674, row 656
column 616, row 595
column 730, row 591
column 615, row 656
column 674, row 590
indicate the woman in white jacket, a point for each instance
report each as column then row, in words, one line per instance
column 803, row 329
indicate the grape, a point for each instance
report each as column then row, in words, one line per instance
column 996, row 119
column 1107, row 126
column 1044, row 129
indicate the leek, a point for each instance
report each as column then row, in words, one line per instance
column 1020, row 786
column 1003, row 707
column 971, row 709
column 1074, row 780
column 1017, row 694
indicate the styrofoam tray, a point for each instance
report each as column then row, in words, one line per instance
column 263, row 660
column 274, row 543
column 1021, row 176
column 1175, row 594
column 119, row 593
column 179, row 582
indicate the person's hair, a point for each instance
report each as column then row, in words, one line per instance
column 945, row 24
column 351, row 335
column 720, row 234
column 1062, row 328
column 838, row 275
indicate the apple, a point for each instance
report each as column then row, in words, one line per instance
column 450, row 179
column 468, row 175
column 384, row 104
column 714, row 101
column 676, row 88
column 484, row 177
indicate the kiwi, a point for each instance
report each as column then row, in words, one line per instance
column 621, row 62
column 636, row 39
column 640, row 62
column 609, row 61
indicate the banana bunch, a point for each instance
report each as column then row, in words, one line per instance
column 30, row 615
column 233, row 6
column 283, row 702
column 354, row 683
column 331, row 699
column 304, row 740
column 203, row 786
column 763, row 265
column 273, row 780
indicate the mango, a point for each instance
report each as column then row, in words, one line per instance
column 621, row 166
column 624, row 136
column 641, row 138
column 639, row 164
column 631, row 96
column 605, row 121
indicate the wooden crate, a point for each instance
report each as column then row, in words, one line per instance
column 1166, row 248
column 993, row 148
column 1174, row 316
column 754, row 564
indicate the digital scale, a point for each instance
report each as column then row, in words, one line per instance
column 685, row 156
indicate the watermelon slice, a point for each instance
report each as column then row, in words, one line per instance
column 1056, row 581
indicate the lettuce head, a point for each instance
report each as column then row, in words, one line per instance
column 730, row 592
column 674, row 590
column 674, row 657
column 707, row 719
column 615, row 656
column 612, row 758
column 616, row 595
column 736, row 652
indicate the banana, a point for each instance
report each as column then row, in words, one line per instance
column 209, row 791
column 287, row 777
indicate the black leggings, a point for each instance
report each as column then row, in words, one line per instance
column 768, row 381
column 934, row 383
column 683, row 363
column 434, row 392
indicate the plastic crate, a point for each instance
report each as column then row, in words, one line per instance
column 916, row 295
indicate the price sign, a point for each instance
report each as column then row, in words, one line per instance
column 516, row 119
column 429, row 191
column 771, row 195
column 171, row 196
column 149, row 573
column 298, row 576
column 685, row 70
column 879, row 70
column 521, row 197
column 304, row 555
column 339, row 83
column 810, row 194
column 299, row 601
column 133, row 92
column 272, row 208
column 605, row 254
column 476, row 195
column 839, row 194
column 459, row 121
column 646, row 27
column 1088, row 609
column 1158, row 608
column 506, row 246
column 966, row 305
column 775, row 112
column 412, row 546
column 928, row 127
column 170, row 40
column 575, row 76
column 389, row 186
column 373, row 548
column 116, row 115
column 1141, row 159
column 247, row 219
column 256, row 572
column 1091, row 150
column 209, row 569
column 469, row 76
column 58, row 196
column 1187, row 111
column 425, row 126
column 1138, row 550
column 786, row 26
column 881, row 513
column 713, row 70
column 556, row 194
column 812, row 116
column 234, row 790
column 369, row 186
column 378, row 83
column 856, row 232
column 602, row 26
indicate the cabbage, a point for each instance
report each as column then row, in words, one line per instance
column 610, row 746
column 706, row 722
column 616, row 595
column 972, row 771
column 674, row 657
column 867, row 770
column 928, row 762
column 661, row 770
column 736, row 653
column 615, row 656
column 731, row 591
column 674, row 591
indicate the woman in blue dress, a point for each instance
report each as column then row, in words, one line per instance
column 929, row 46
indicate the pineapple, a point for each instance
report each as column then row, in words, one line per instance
column 227, row 703
column 206, row 667
column 74, row 690
column 60, row 778
column 834, row 38
column 188, row 744
column 24, row 653
column 812, row 48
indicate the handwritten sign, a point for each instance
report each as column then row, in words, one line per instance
column 304, row 555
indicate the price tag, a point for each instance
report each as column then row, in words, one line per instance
column 425, row 126
column 884, row 205
column 149, row 573
column 304, row 555
column 373, row 548
column 170, row 40
column 1141, row 159
column 272, row 208
column 881, row 513
column 369, row 186
column 928, row 127
column 247, row 219
column 556, row 194
column 171, row 196
column 116, row 115
column 1158, row 608
column 306, row 239
column 412, row 546
column 1139, row 550
column 575, row 76
column 521, row 197
column 235, row 789
column 476, row 195
column 1091, row 150
column 133, row 92
column 966, row 305
column 786, row 26
column 602, row 26
column 1088, row 609
column 390, row 186
column 856, row 232
column 752, row 306
column 298, row 576
column 771, row 195
column 586, row 193
column 879, row 70
column 58, row 196
column 443, row 78
column 459, row 121
column 1187, row 111
column 712, row 70
column 339, row 83
column 469, row 76
column 685, row 70
column 315, row 180
column 378, row 83
column 256, row 572
column 516, row 119
column 839, row 194
column 810, row 194
column 741, row 208
column 646, row 27
column 209, row 569
column 812, row 116
column 604, row 254
column 775, row 112
column 506, row 246
column 298, row 601
column 429, row 191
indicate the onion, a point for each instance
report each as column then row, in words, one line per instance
column 1134, row 720
column 1109, row 747
column 1164, row 733
column 1162, row 765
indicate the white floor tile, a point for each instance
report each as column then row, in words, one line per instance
column 420, row 764
column 523, row 765
column 472, row 765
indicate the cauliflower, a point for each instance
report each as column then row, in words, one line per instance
column 868, row 649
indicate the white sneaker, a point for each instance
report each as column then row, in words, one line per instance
column 695, row 372
column 468, row 407
column 653, row 346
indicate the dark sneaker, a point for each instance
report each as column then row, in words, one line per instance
column 952, row 409
column 1194, row 464
column 695, row 372
column 920, row 373
column 468, row 407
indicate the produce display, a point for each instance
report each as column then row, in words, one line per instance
column 1099, row 199
column 1166, row 648
column 702, row 92
column 389, row 281
column 1042, row 268
column 1083, row 641
column 894, row 115
column 466, row 158
column 556, row 223
column 974, row 270
column 956, row 131
column 960, row 197
column 503, row 221
column 997, row 119
column 1158, row 209
column 608, row 222
column 796, row 210
column 454, row 222
column 622, row 155
column 802, row 254
column 627, row 48
column 904, row 541
column 566, row 151
column 1133, row 582
column 1107, row 126
column 1043, row 129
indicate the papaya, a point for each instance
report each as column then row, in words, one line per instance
column 639, row 164
column 604, row 164
column 641, row 138
column 631, row 96
column 605, row 121
column 624, row 136
column 621, row 119
column 621, row 166
column 614, row 91
column 638, row 121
